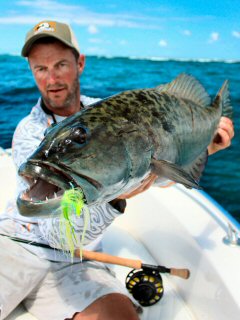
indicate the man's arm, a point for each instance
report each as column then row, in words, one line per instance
column 145, row 185
column 27, row 137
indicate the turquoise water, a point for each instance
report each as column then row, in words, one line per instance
column 106, row 76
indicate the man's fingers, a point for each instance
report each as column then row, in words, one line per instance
column 223, row 135
column 223, row 138
column 227, row 125
column 226, row 119
column 149, row 181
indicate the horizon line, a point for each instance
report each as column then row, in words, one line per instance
column 150, row 58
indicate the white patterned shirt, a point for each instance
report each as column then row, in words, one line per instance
column 27, row 137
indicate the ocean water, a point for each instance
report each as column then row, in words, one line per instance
column 106, row 76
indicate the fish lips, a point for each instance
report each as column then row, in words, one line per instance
column 47, row 172
column 46, row 187
column 48, row 183
column 38, row 209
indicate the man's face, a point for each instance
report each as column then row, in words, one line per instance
column 56, row 72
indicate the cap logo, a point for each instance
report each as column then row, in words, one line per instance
column 45, row 26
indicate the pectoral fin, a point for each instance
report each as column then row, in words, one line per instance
column 173, row 172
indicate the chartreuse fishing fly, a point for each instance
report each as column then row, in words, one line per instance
column 72, row 205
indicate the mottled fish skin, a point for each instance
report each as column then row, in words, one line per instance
column 109, row 148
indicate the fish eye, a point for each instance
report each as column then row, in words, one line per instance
column 79, row 135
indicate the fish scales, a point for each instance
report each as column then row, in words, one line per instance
column 158, row 112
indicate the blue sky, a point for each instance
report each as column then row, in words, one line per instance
column 168, row 29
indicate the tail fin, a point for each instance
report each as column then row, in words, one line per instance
column 223, row 100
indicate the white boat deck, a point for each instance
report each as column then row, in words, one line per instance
column 171, row 306
column 173, row 227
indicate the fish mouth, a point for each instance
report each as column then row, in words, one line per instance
column 47, row 184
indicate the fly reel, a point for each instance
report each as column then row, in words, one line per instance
column 145, row 285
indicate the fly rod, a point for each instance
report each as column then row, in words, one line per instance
column 131, row 263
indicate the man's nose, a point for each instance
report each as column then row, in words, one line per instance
column 53, row 75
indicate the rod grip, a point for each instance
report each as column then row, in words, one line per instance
column 107, row 258
column 182, row 273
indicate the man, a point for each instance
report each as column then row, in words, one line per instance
column 49, row 286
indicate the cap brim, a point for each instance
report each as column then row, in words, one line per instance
column 27, row 46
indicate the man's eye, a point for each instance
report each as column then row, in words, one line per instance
column 63, row 64
column 41, row 69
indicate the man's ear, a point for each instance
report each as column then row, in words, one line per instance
column 81, row 63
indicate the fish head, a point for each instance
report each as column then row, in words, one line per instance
column 73, row 154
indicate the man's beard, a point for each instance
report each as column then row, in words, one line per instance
column 70, row 98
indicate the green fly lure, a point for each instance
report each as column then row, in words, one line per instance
column 72, row 204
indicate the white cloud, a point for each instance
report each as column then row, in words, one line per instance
column 214, row 36
column 37, row 10
column 95, row 40
column 96, row 50
column 46, row 5
column 92, row 29
column 162, row 43
column 19, row 20
column 236, row 34
column 187, row 33
column 77, row 14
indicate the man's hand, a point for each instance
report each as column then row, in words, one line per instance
column 223, row 136
column 146, row 184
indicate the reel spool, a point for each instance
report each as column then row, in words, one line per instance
column 145, row 285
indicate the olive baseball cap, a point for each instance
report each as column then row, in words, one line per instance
column 58, row 30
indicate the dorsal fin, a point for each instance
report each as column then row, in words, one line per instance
column 187, row 87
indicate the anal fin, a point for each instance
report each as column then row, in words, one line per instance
column 195, row 169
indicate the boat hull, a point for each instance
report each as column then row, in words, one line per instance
column 174, row 227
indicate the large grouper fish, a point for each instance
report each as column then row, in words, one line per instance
column 109, row 148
